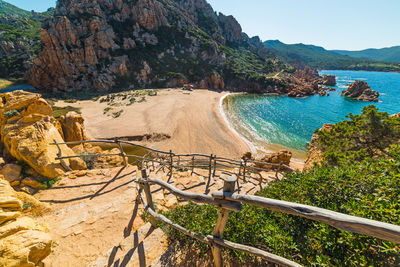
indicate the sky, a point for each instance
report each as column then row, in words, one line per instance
column 333, row 24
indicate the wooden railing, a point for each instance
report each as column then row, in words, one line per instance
column 228, row 201
column 170, row 161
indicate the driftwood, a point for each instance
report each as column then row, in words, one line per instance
column 338, row 220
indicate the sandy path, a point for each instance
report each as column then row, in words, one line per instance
column 192, row 119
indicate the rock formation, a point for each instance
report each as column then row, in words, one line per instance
column 27, row 129
column 329, row 80
column 73, row 129
column 281, row 157
column 361, row 91
column 23, row 242
column 104, row 44
column 314, row 152
column 305, row 82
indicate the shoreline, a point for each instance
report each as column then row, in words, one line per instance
column 251, row 146
column 265, row 148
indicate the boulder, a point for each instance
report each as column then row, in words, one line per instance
column 73, row 127
column 361, row 91
column 27, row 136
column 23, row 242
column 281, row 157
column 11, row 172
column 329, row 80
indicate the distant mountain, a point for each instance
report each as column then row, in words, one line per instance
column 390, row 54
column 318, row 57
column 19, row 39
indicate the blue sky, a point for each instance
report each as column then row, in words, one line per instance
column 334, row 24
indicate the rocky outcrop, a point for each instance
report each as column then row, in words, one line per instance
column 329, row 80
column 305, row 82
column 27, row 130
column 361, row 91
column 314, row 151
column 281, row 157
column 104, row 44
column 23, row 242
column 73, row 128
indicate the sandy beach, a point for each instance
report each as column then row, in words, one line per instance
column 187, row 121
column 190, row 118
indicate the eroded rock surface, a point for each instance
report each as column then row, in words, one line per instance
column 27, row 130
column 23, row 241
column 361, row 91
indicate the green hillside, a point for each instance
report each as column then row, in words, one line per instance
column 8, row 10
column 20, row 39
column 318, row 57
column 389, row 54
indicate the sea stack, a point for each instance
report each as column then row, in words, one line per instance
column 360, row 90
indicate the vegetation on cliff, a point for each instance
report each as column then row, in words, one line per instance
column 20, row 39
column 359, row 176
column 318, row 57
column 150, row 43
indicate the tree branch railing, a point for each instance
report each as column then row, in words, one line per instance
column 338, row 220
column 173, row 161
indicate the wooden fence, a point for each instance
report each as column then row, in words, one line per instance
column 228, row 201
column 161, row 160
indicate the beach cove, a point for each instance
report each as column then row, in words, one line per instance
column 271, row 122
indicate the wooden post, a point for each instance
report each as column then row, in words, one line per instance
column 215, row 166
column 59, row 154
column 240, row 168
column 192, row 165
column 171, row 162
column 244, row 170
column 179, row 161
column 146, row 188
column 121, row 149
column 229, row 187
column 209, row 167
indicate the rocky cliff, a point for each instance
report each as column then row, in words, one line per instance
column 109, row 44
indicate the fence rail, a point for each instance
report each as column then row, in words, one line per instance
column 338, row 220
column 240, row 168
column 228, row 201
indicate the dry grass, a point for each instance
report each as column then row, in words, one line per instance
column 5, row 83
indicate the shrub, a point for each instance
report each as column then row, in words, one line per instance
column 368, row 187
column 89, row 158
column 11, row 113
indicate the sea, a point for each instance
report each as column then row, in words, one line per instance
column 269, row 122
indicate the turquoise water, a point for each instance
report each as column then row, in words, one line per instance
column 290, row 122
column 17, row 87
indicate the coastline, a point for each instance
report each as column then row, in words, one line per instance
column 252, row 147
column 260, row 147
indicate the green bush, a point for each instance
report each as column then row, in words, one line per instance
column 368, row 187
column 11, row 113
column 89, row 158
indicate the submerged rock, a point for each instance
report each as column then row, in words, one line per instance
column 361, row 91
